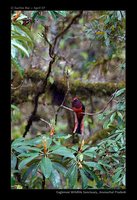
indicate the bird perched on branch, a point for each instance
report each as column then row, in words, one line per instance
column 78, row 108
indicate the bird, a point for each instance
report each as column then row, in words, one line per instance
column 78, row 108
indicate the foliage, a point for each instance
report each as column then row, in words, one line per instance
column 21, row 42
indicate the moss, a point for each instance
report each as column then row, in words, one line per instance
column 77, row 87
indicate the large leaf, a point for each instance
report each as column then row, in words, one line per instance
column 73, row 174
column 26, row 161
column 60, row 168
column 46, row 167
column 55, row 178
column 63, row 151
column 84, row 179
column 29, row 171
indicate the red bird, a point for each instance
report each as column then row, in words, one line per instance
column 78, row 108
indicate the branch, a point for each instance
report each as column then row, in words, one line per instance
column 40, row 92
column 68, row 26
column 91, row 114
column 43, row 87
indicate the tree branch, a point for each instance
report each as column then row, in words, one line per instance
column 91, row 114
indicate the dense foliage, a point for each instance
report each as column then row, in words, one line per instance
column 90, row 49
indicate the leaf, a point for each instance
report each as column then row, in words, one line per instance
column 59, row 167
column 16, row 64
column 28, row 171
column 124, row 180
column 42, row 18
column 55, row 178
column 63, row 13
column 24, row 29
column 20, row 47
column 90, row 152
column 22, row 39
column 63, row 151
column 23, row 163
column 84, row 179
column 21, row 17
column 14, row 107
column 106, row 124
column 73, row 176
column 27, row 154
column 46, row 166
column 112, row 117
column 13, row 161
column 119, row 92
column 101, row 162
column 116, row 176
column 120, row 115
column 94, row 165
column 17, row 142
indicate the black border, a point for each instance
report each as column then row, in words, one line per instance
column 5, row 88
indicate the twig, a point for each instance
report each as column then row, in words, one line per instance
column 91, row 114
column 62, row 32
column 40, row 92
column 50, row 125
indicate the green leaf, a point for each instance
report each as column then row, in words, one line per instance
column 84, row 179
column 23, row 29
column 73, row 176
column 14, row 107
column 63, row 13
column 120, row 115
column 91, row 150
column 60, row 168
column 13, row 161
column 63, row 151
column 112, row 117
column 19, row 46
column 34, row 14
column 46, row 167
column 124, row 180
column 21, row 17
column 102, row 162
column 119, row 92
column 17, row 65
column 116, row 176
column 94, row 165
column 106, row 124
column 27, row 154
column 28, row 171
column 22, row 39
column 55, row 178
column 42, row 18
column 17, row 142
column 26, row 161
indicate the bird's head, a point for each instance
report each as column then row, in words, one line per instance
column 76, row 102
